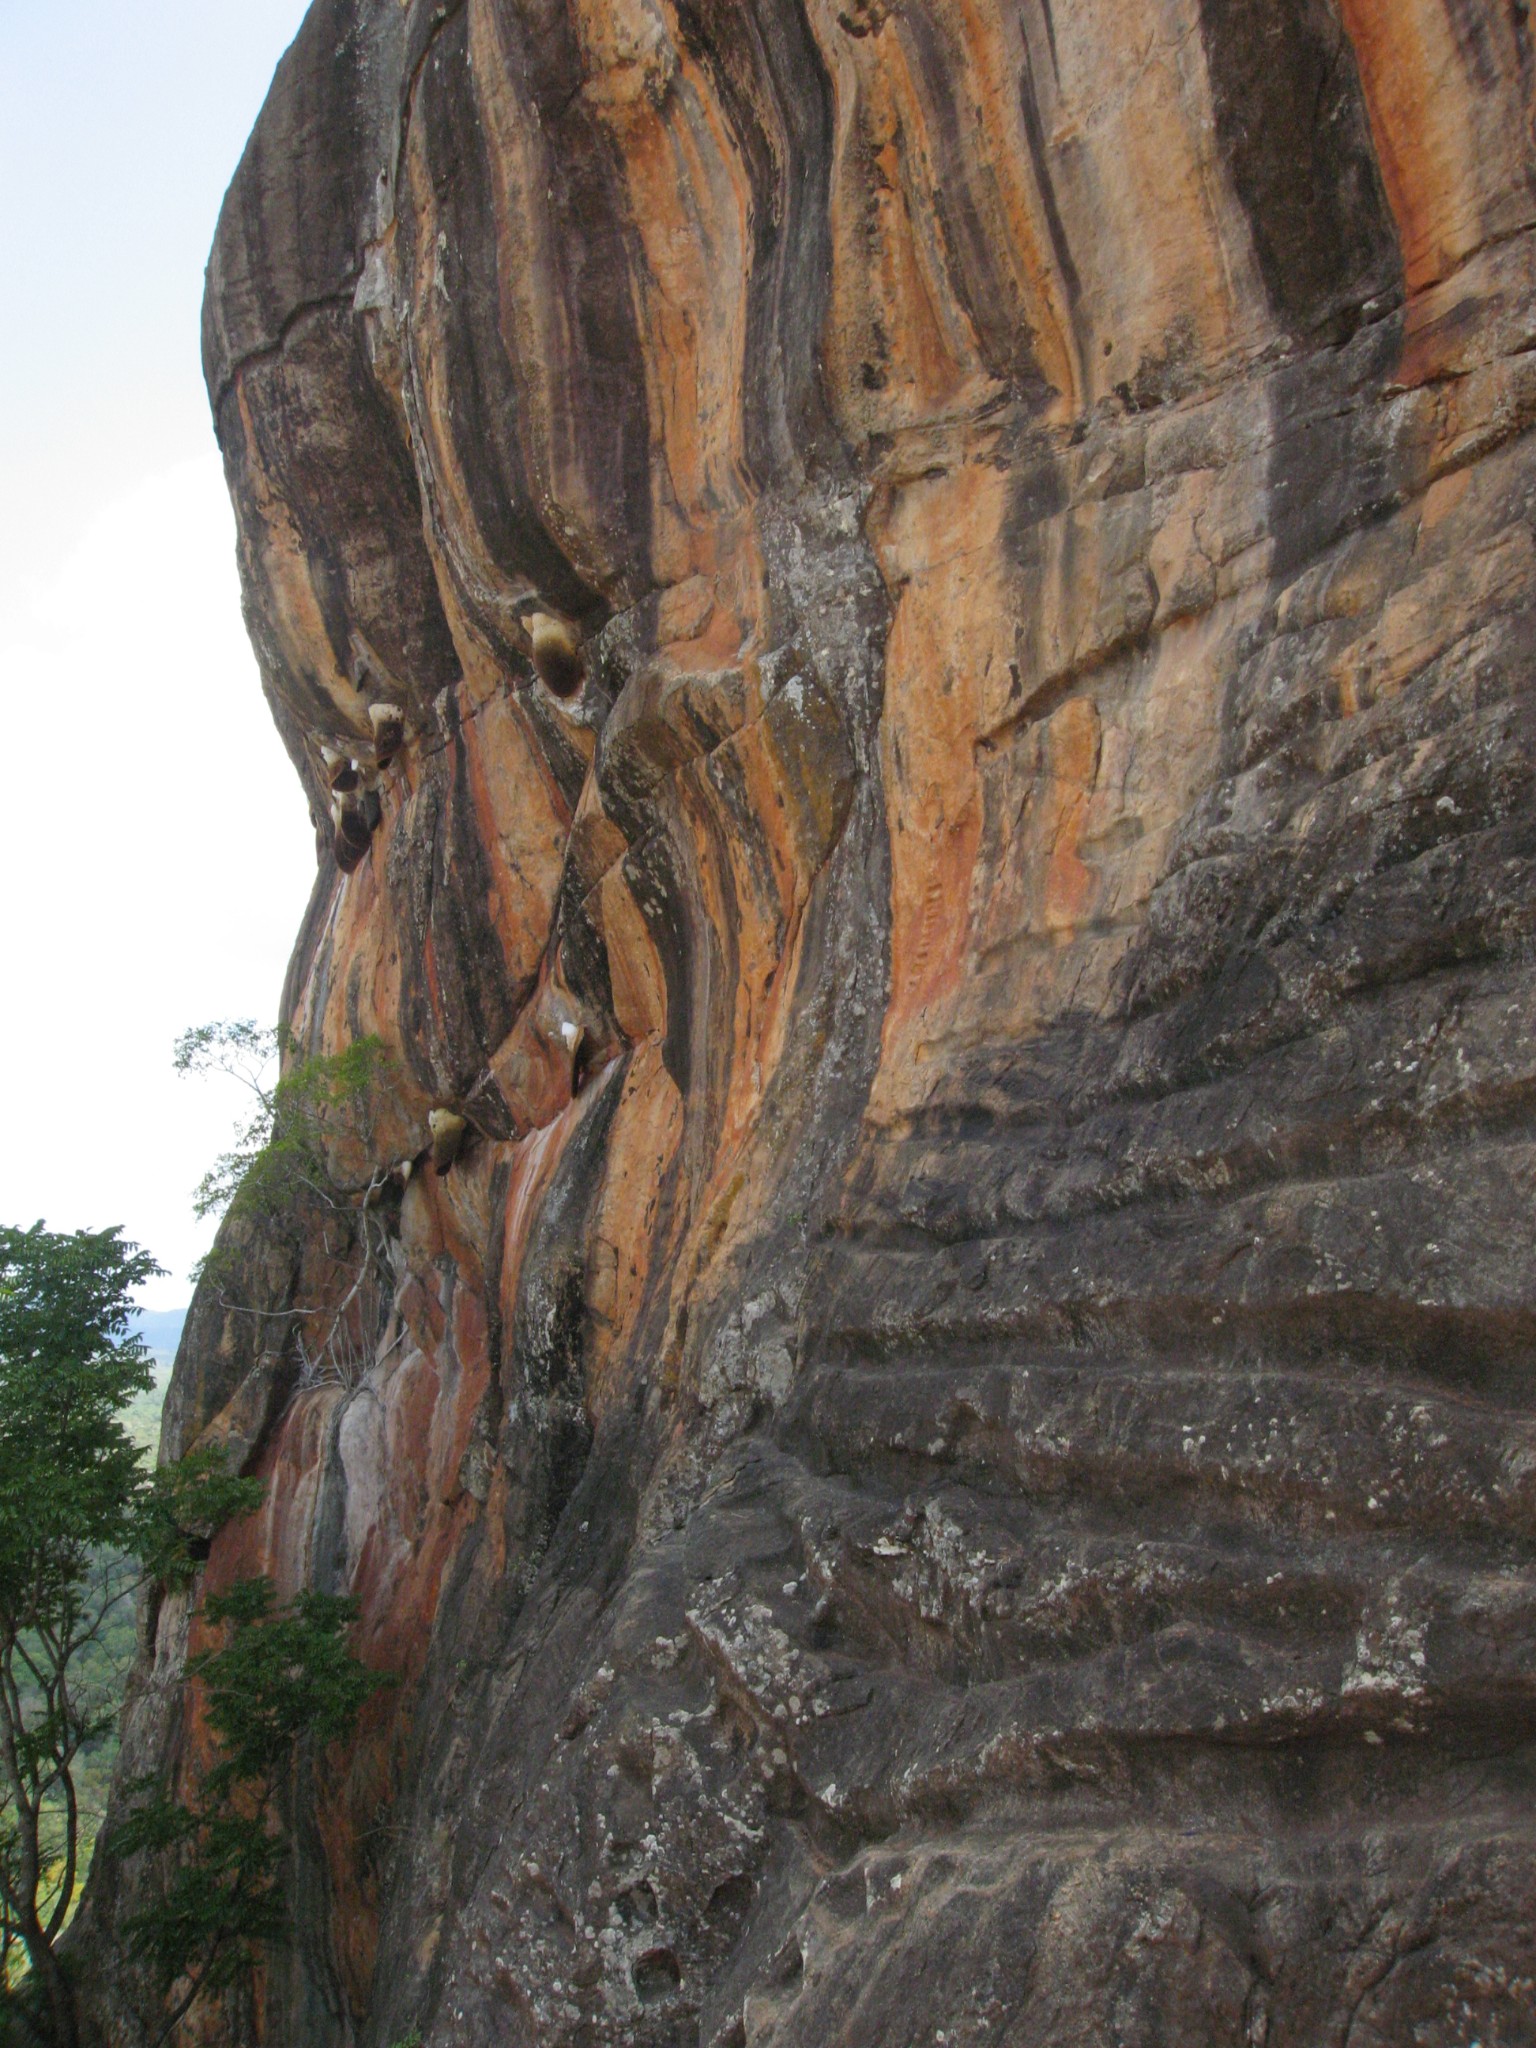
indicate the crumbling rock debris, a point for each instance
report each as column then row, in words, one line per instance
column 957, row 1462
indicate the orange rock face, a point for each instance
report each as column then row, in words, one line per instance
column 951, row 1460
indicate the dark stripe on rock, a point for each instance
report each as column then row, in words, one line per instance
column 1296, row 139
column 766, row 69
column 979, row 274
column 446, row 893
column 328, row 446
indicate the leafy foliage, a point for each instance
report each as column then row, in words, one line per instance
column 70, row 1484
column 283, row 1675
column 67, row 1366
column 182, row 1507
column 284, row 1672
column 78, row 1507
column 280, row 1154
column 286, row 1176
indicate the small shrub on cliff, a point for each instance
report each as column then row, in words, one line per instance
column 281, row 1155
column 181, row 1509
column 282, row 1679
column 285, row 1175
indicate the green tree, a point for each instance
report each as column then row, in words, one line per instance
column 283, row 1677
column 81, row 1520
column 71, row 1488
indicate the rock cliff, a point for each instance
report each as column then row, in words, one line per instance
column 954, row 1460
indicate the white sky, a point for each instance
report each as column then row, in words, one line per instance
column 155, row 854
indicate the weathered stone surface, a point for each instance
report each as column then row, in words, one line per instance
column 955, row 1460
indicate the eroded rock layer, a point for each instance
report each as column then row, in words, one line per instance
column 954, row 1460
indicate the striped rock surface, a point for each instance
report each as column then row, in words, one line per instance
column 955, row 1459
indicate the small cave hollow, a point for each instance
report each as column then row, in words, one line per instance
column 657, row 1976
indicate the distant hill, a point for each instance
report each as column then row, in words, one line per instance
column 159, row 1329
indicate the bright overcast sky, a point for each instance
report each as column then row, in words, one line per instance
column 154, row 846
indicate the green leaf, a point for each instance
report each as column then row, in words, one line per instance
column 183, row 1506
